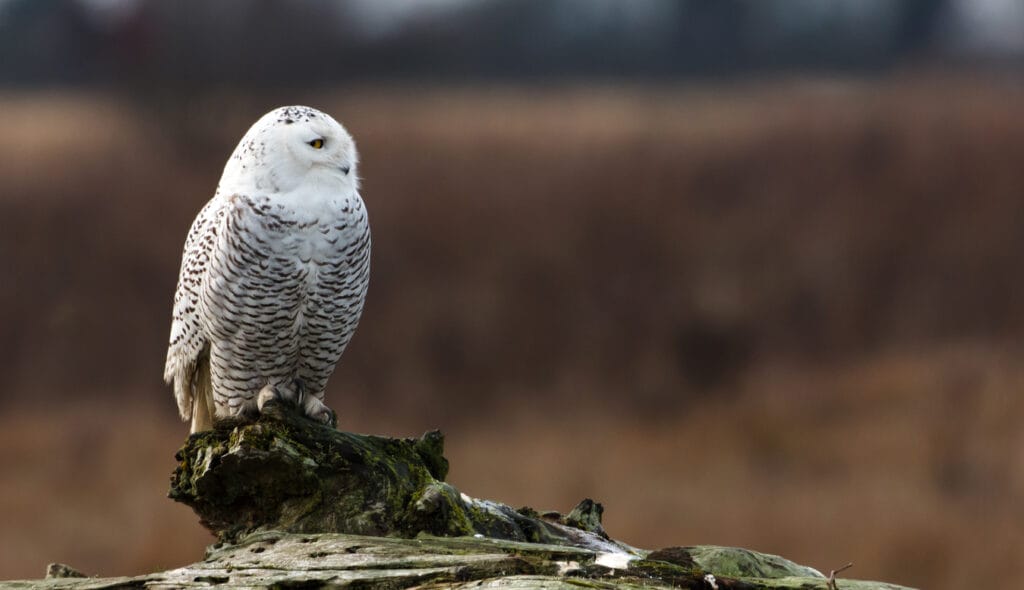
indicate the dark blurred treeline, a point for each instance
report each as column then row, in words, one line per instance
column 273, row 42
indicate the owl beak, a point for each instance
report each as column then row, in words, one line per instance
column 345, row 169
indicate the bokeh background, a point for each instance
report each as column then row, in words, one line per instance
column 748, row 272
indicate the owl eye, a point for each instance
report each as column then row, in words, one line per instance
column 317, row 143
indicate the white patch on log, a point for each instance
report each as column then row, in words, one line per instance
column 565, row 567
column 615, row 561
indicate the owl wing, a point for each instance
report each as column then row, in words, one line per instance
column 187, row 341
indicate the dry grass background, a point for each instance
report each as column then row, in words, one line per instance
column 783, row 316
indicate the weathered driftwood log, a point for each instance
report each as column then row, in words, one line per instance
column 286, row 473
column 299, row 505
column 283, row 560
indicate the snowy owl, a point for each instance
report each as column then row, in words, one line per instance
column 274, row 273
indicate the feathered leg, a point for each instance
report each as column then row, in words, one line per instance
column 202, row 397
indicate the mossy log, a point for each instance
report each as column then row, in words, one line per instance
column 286, row 473
column 299, row 505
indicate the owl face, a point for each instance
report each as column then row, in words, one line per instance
column 290, row 147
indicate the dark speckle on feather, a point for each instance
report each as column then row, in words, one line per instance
column 289, row 115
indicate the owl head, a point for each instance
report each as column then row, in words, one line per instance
column 290, row 147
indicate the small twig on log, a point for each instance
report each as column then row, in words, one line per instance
column 832, row 576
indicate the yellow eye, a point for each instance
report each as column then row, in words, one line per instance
column 317, row 143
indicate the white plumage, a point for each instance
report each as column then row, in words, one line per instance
column 274, row 273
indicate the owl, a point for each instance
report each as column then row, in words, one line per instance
column 274, row 273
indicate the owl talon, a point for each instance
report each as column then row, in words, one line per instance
column 318, row 411
column 245, row 413
column 313, row 408
column 299, row 392
column 268, row 393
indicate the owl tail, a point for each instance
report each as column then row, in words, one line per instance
column 202, row 396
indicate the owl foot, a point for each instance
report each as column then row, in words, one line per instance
column 314, row 408
column 268, row 393
column 296, row 396
column 318, row 411
column 292, row 396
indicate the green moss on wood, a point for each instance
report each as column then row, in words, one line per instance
column 284, row 472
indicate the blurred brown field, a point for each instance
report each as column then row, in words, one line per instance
column 783, row 315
